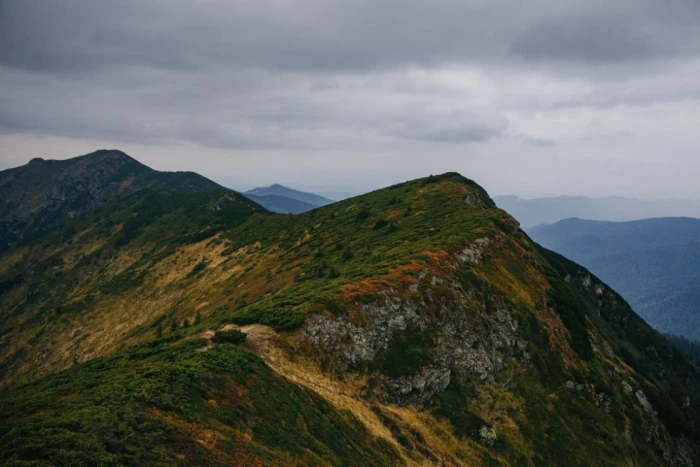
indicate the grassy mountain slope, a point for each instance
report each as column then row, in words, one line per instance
column 652, row 263
column 417, row 324
column 46, row 193
column 167, row 404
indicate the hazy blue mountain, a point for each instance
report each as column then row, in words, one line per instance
column 532, row 212
column 688, row 347
column 281, row 204
column 586, row 240
column 279, row 190
column 653, row 263
column 674, row 309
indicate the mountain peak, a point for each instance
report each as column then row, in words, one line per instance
column 45, row 193
column 111, row 156
column 37, row 161
column 479, row 195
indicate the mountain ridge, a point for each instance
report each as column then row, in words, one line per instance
column 417, row 324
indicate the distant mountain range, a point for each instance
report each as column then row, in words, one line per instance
column 532, row 212
column 281, row 204
column 278, row 198
column 653, row 263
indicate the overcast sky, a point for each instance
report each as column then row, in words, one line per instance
column 543, row 97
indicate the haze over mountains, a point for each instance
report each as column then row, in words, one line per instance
column 413, row 325
column 653, row 263
column 279, row 190
column 533, row 212
column 278, row 198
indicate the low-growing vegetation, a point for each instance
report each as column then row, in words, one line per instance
column 150, row 404
column 134, row 284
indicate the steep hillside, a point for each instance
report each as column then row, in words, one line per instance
column 652, row 263
column 279, row 190
column 688, row 347
column 46, row 193
column 412, row 325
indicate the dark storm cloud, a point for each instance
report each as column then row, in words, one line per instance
column 320, row 73
column 588, row 40
column 333, row 35
column 453, row 130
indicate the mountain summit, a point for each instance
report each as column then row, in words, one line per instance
column 46, row 193
column 414, row 325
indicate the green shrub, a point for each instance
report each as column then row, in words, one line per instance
column 229, row 337
column 362, row 215
column 199, row 267
column 408, row 352
column 380, row 223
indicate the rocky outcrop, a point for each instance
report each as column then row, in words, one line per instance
column 352, row 343
column 467, row 342
column 417, row 389
column 479, row 348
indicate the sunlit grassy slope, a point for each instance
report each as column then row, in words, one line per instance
column 107, row 354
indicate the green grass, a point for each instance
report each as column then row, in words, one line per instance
column 114, row 411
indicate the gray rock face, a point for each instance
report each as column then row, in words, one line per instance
column 473, row 254
column 353, row 343
column 418, row 389
column 488, row 436
column 479, row 347
column 467, row 342
column 643, row 401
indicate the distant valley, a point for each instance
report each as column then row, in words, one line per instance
column 536, row 211
column 653, row 263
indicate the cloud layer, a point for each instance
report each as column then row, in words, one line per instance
column 496, row 78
